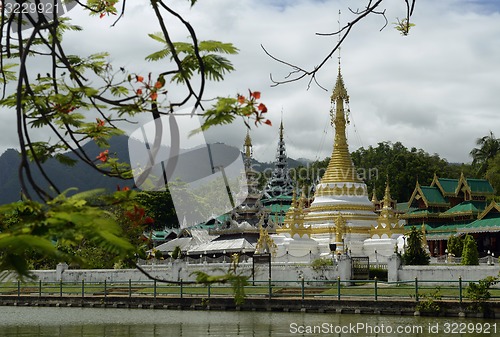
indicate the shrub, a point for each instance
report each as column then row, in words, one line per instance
column 430, row 302
column 470, row 255
column 455, row 245
column 380, row 273
column 479, row 293
column 176, row 254
column 415, row 253
column 320, row 264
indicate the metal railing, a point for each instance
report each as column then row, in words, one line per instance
column 335, row 289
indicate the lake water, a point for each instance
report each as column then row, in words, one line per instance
column 87, row 322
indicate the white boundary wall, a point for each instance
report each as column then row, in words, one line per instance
column 438, row 274
column 181, row 270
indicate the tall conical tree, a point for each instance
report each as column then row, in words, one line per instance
column 470, row 255
column 415, row 253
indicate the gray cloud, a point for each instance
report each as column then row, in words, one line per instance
column 436, row 89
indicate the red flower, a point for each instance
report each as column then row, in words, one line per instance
column 103, row 156
column 139, row 91
column 262, row 108
column 100, row 122
column 241, row 99
column 158, row 85
column 268, row 122
column 102, row 15
column 139, row 78
column 255, row 94
column 154, row 96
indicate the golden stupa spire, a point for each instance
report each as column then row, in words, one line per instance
column 340, row 168
column 387, row 196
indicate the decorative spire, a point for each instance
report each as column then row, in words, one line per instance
column 248, row 145
column 248, row 151
column 280, row 182
column 281, row 130
column 387, row 196
column 340, row 168
column 374, row 196
column 303, row 198
column 294, row 199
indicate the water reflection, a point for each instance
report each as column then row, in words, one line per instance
column 31, row 322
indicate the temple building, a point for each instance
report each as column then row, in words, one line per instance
column 239, row 230
column 449, row 207
column 341, row 218
column 279, row 189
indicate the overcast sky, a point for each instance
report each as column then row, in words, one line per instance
column 437, row 89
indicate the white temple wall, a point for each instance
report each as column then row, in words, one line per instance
column 281, row 271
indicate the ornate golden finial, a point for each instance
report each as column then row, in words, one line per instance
column 265, row 243
column 374, row 196
column 340, row 168
column 340, row 92
column 303, row 198
column 387, row 196
column 424, row 238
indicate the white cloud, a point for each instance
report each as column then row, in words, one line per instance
column 436, row 89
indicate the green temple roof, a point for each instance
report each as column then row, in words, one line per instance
column 491, row 224
column 448, row 185
column 480, row 186
column 433, row 195
column 468, row 206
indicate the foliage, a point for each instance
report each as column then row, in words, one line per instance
column 430, row 302
column 493, row 172
column 403, row 166
column 470, row 254
column 379, row 273
column 209, row 51
column 228, row 108
column 321, row 264
column 415, row 253
column 479, row 293
column 160, row 207
column 176, row 254
column 403, row 26
column 237, row 280
column 55, row 228
column 488, row 148
column 455, row 245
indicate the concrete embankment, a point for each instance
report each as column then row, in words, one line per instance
column 317, row 305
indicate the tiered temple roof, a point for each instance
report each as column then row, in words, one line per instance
column 450, row 207
column 280, row 187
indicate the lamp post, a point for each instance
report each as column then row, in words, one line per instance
column 224, row 254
